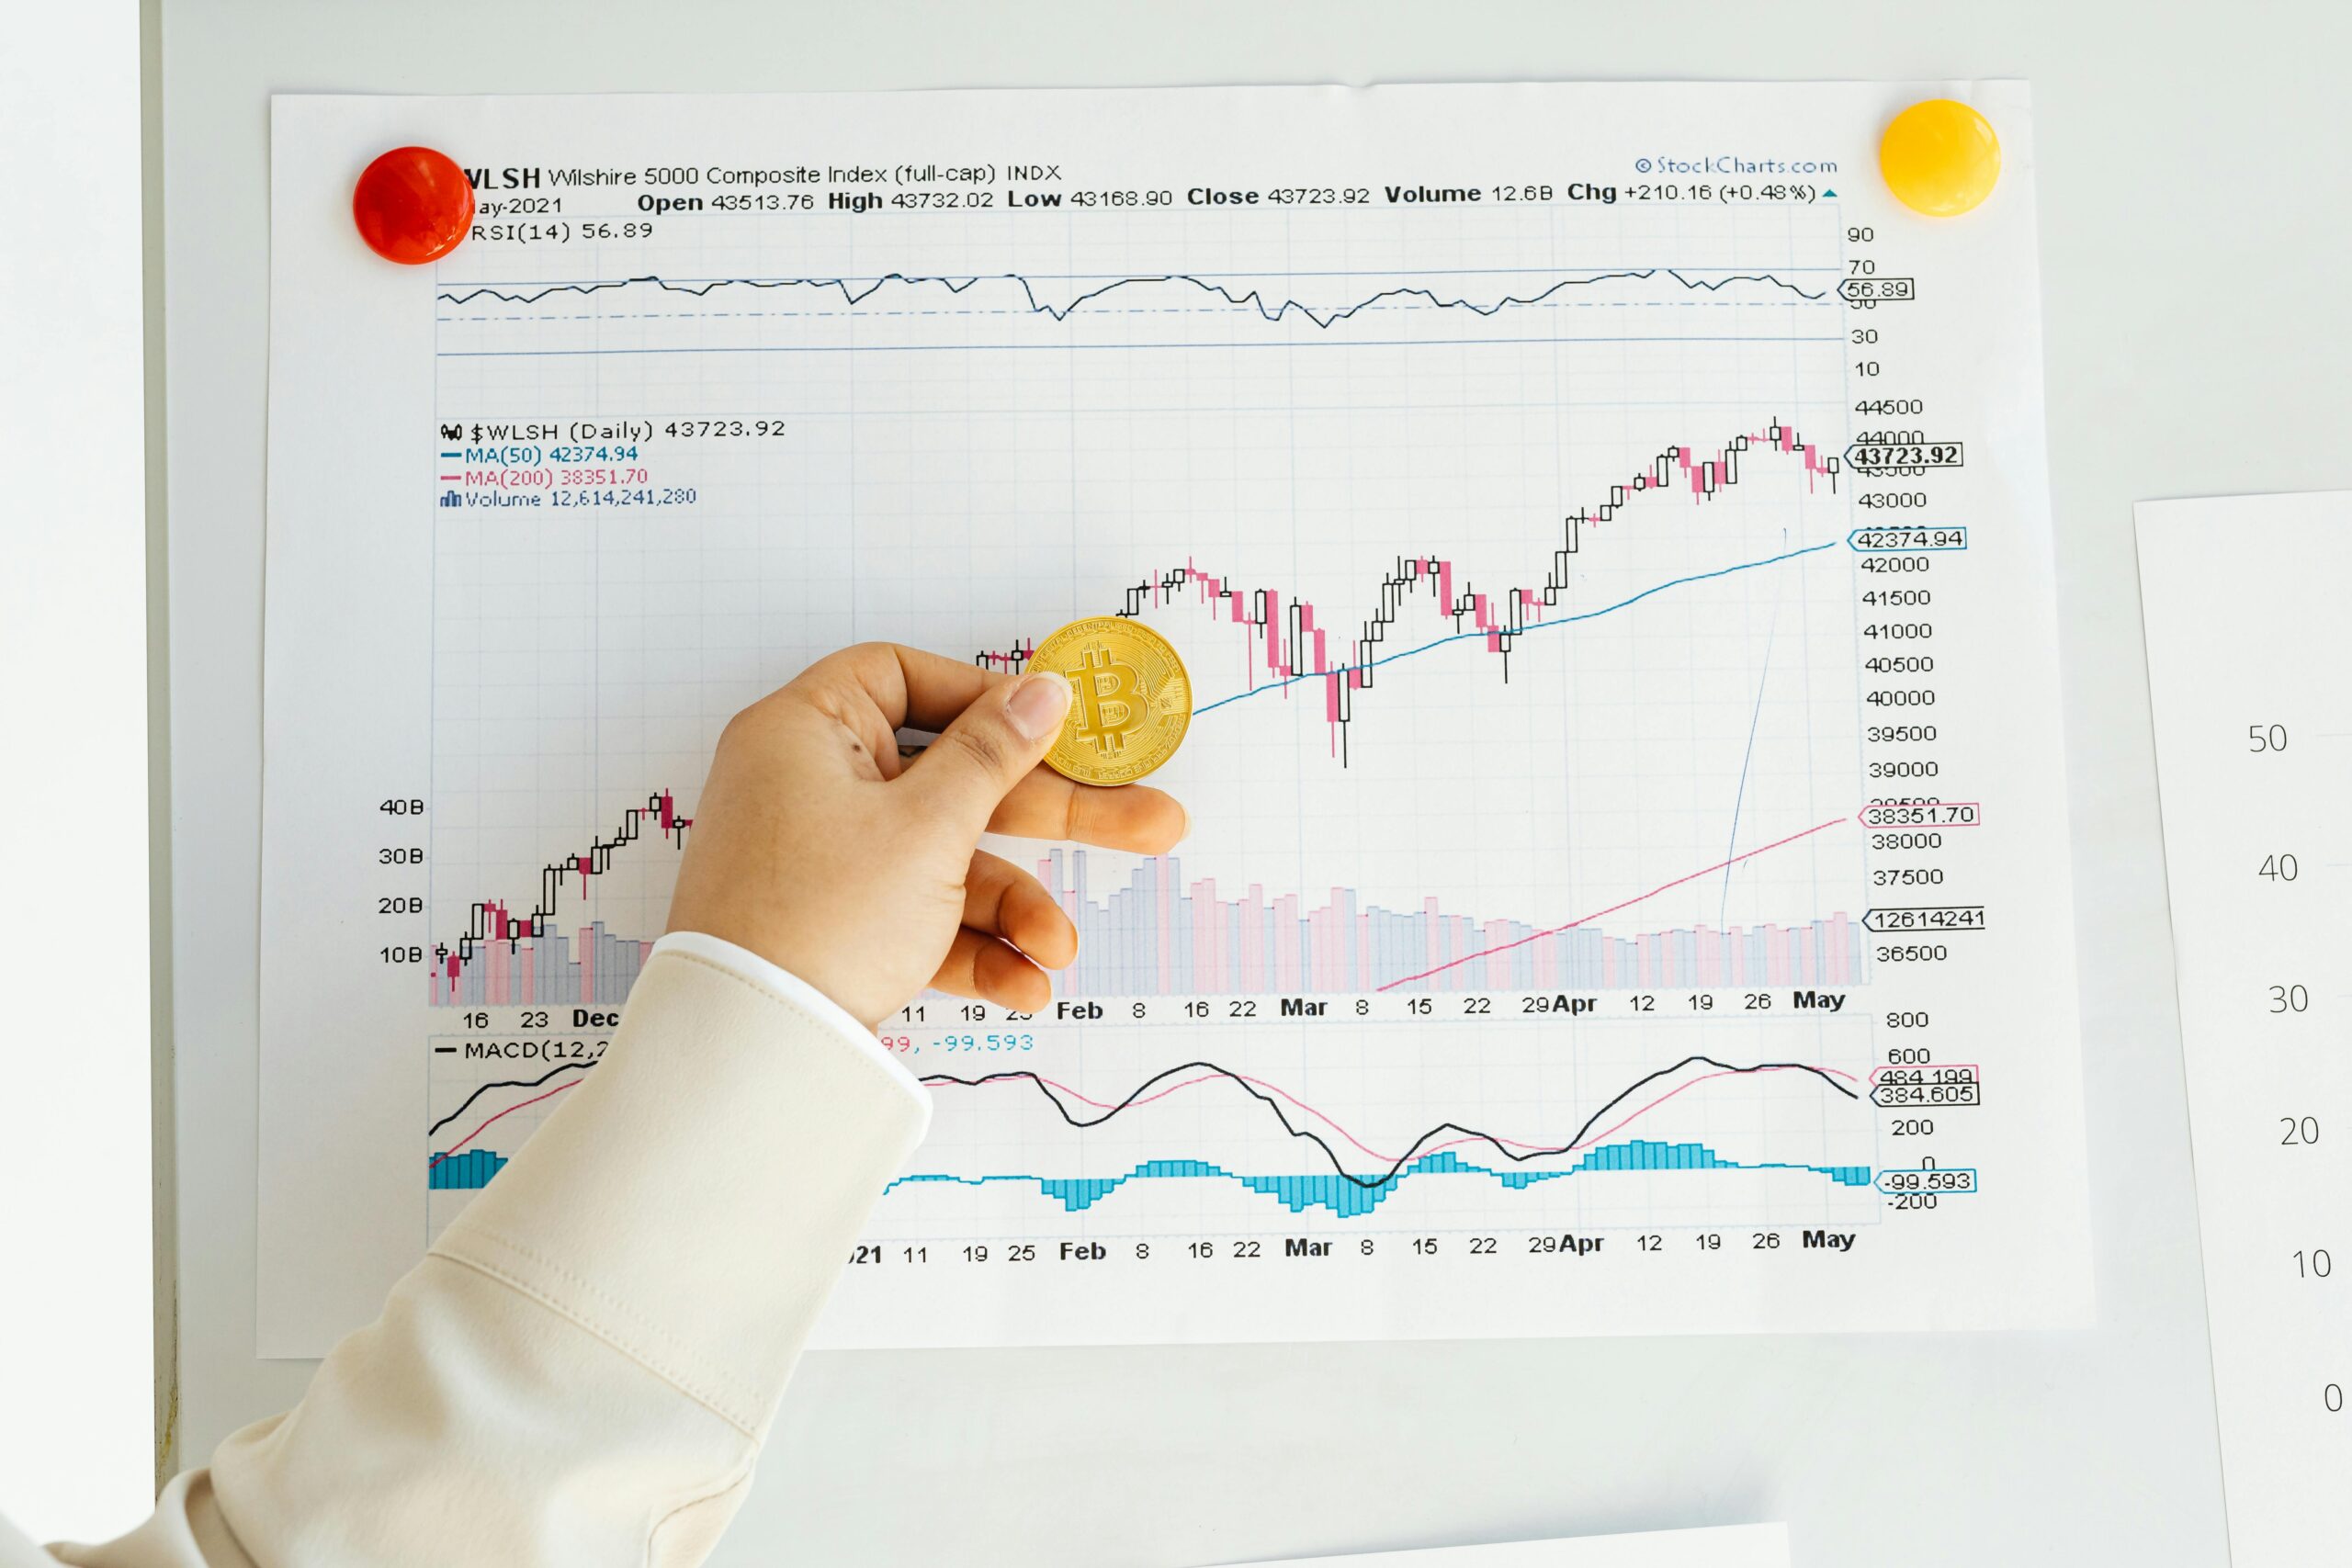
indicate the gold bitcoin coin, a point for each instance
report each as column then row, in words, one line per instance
column 1131, row 700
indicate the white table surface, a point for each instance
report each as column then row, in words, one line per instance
column 2193, row 193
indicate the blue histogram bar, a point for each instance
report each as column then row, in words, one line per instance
column 465, row 1172
column 1350, row 1199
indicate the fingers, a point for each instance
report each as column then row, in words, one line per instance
column 1011, row 926
column 989, row 747
column 1004, row 901
column 1133, row 816
column 984, row 769
column 912, row 689
column 985, row 969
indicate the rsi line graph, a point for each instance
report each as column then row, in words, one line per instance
column 853, row 292
column 1290, row 643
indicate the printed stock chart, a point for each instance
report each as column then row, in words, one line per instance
column 1627, row 888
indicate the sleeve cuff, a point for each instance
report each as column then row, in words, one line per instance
column 747, row 965
column 693, row 1199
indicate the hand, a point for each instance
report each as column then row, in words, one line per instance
column 818, row 847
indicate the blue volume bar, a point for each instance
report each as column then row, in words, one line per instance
column 1348, row 1199
column 463, row 1172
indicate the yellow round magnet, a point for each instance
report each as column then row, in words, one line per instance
column 1939, row 158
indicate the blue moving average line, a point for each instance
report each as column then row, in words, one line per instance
column 1350, row 1199
column 1523, row 631
column 1253, row 298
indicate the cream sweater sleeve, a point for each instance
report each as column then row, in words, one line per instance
column 583, row 1368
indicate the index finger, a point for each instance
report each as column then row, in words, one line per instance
column 1045, row 805
column 913, row 690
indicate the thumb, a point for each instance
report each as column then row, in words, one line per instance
column 991, row 746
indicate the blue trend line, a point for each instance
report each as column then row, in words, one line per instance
column 1350, row 1199
column 1523, row 631
column 1253, row 298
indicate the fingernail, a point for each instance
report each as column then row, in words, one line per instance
column 1038, row 704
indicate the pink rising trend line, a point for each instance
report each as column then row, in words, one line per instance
column 1296, row 647
column 1624, row 904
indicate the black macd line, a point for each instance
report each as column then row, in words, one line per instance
column 1295, row 1131
column 1253, row 298
column 507, row 1083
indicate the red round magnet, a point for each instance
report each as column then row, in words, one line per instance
column 413, row 205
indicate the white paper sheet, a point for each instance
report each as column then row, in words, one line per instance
column 1580, row 507
column 1731, row 1546
column 2247, row 648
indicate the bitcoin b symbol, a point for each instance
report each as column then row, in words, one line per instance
column 1111, row 705
column 1130, row 699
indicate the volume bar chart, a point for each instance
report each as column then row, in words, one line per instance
column 591, row 966
column 1155, row 935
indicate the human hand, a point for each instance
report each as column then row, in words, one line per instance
column 818, row 847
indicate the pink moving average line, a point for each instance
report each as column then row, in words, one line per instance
column 1638, row 897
